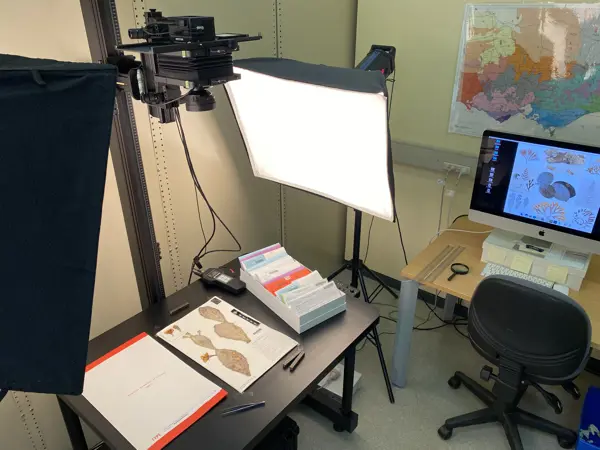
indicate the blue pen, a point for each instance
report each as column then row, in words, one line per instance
column 242, row 408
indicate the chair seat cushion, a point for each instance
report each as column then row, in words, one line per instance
column 541, row 329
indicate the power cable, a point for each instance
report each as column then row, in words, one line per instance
column 369, row 239
column 466, row 336
column 443, row 183
column 214, row 215
column 393, row 81
column 449, row 214
column 199, row 215
column 168, row 102
column 458, row 217
column 400, row 236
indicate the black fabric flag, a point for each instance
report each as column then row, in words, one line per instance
column 55, row 125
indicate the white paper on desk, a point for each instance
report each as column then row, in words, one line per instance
column 312, row 300
column 279, row 271
column 299, row 291
column 309, row 280
column 562, row 256
column 148, row 394
column 232, row 345
column 275, row 269
column 261, row 260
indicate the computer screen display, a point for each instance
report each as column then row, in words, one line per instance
column 540, row 182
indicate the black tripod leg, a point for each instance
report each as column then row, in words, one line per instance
column 377, row 343
column 337, row 272
column 363, row 287
column 386, row 376
column 380, row 281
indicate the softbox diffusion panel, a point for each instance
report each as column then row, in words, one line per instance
column 55, row 125
column 317, row 128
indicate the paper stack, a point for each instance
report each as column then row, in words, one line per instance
column 301, row 297
column 557, row 263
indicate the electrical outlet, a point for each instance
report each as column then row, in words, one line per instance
column 463, row 170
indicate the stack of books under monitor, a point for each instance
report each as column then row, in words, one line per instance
column 301, row 297
column 552, row 262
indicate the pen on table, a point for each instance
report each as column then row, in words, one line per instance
column 294, row 358
column 297, row 361
column 179, row 308
column 242, row 408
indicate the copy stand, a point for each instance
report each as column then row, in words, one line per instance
column 359, row 268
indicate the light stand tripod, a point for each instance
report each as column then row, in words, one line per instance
column 359, row 268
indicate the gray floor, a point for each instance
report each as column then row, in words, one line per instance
column 422, row 406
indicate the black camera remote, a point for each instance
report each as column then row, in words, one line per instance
column 348, row 290
column 220, row 279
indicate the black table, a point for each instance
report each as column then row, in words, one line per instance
column 325, row 346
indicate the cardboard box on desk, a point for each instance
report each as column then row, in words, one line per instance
column 300, row 323
column 558, row 264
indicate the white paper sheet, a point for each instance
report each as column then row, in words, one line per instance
column 232, row 345
column 148, row 394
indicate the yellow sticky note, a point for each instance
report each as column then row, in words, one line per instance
column 496, row 255
column 558, row 274
column 521, row 263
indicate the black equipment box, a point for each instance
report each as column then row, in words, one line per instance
column 283, row 437
column 192, row 29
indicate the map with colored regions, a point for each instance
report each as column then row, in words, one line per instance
column 532, row 69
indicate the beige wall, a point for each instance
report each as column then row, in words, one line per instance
column 55, row 30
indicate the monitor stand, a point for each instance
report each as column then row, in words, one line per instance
column 534, row 246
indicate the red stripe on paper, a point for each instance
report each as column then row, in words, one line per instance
column 112, row 353
column 184, row 425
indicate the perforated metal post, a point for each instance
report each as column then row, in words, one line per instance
column 103, row 32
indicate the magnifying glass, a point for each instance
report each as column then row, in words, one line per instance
column 458, row 269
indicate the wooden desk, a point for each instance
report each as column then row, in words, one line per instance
column 325, row 345
column 462, row 287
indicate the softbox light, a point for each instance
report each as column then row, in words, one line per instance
column 55, row 125
column 317, row 128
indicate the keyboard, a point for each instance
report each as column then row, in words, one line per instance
column 496, row 269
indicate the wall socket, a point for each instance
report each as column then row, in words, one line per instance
column 463, row 170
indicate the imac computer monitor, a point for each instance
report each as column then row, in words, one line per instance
column 541, row 188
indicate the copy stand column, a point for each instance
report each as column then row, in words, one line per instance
column 358, row 268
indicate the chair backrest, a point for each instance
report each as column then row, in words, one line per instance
column 544, row 331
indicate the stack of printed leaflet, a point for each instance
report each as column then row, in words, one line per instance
column 555, row 263
column 301, row 297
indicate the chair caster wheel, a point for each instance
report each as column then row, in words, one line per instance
column 454, row 382
column 338, row 428
column 567, row 443
column 444, row 432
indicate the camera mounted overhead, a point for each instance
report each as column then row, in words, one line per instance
column 179, row 52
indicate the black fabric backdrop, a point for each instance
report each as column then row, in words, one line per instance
column 55, row 125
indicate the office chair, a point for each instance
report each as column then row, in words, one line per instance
column 534, row 335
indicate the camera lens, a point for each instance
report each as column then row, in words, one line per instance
column 136, row 33
column 200, row 100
